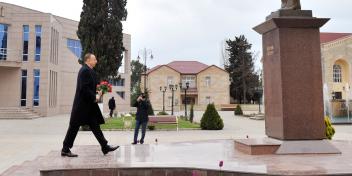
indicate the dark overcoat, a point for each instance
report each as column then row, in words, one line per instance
column 112, row 104
column 85, row 109
column 142, row 110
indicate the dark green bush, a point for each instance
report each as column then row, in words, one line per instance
column 211, row 119
column 85, row 128
column 151, row 128
column 238, row 110
column 150, row 108
column 163, row 113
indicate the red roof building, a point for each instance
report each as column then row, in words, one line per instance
column 326, row 37
column 207, row 84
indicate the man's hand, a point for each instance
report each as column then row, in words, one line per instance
column 97, row 98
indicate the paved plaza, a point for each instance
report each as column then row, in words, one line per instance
column 22, row 140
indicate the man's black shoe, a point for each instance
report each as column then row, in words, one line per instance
column 108, row 149
column 68, row 154
column 134, row 143
column 141, row 142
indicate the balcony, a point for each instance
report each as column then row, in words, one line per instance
column 192, row 91
column 10, row 58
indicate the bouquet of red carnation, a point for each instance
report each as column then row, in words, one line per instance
column 105, row 87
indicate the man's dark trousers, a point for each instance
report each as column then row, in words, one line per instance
column 136, row 130
column 73, row 130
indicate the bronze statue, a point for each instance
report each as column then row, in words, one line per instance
column 291, row 5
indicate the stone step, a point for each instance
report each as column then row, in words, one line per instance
column 27, row 168
column 13, row 112
column 19, row 118
column 18, row 114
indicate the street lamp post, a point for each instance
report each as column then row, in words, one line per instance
column 185, row 89
column 146, row 53
column 173, row 88
column 163, row 90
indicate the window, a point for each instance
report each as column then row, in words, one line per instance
column 52, row 88
column 3, row 41
column 337, row 95
column 36, row 73
column 24, row 88
column 337, row 76
column 38, row 42
column 2, row 13
column 169, row 80
column 54, row 53
column 121, row 94
column 208, row 100
column 122, row 66
column 117, row 82
column 75, row 47
column 191, row 79
column 25, row 42
column 207, row 81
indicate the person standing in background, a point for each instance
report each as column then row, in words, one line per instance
column 141, row 118
column 112, row 106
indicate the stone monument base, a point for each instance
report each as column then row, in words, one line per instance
column 269, row 146
column 264, row 146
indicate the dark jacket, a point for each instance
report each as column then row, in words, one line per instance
column 85, row 109
column 112, row 104
column 142, row 111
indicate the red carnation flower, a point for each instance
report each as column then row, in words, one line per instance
column 221, row 163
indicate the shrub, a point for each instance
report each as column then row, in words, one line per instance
column 163, row 113
column 85, row 128
column 151, row 128
column 211, row 119
column 330, row 130
column 150, row 108
column 191, row 114
column 238, row 110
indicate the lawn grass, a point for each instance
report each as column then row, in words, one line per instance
column 117, row 124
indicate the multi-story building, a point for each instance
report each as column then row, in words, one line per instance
column 39, row 55
column 207, row 84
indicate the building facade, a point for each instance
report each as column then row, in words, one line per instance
column 207, row 84
column 39, row 55
column 337, row 60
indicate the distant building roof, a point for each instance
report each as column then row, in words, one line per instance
column 187, row 67
column 184, row 67
column 326, row 37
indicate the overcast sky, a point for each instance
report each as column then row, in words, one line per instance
column 196, row 29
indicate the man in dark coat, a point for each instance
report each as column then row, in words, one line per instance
column 112, row 106
column 141, row 118
column 85, row 110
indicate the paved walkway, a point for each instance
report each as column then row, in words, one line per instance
column 22, row 140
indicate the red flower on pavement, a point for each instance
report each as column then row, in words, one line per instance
column 221, row 163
